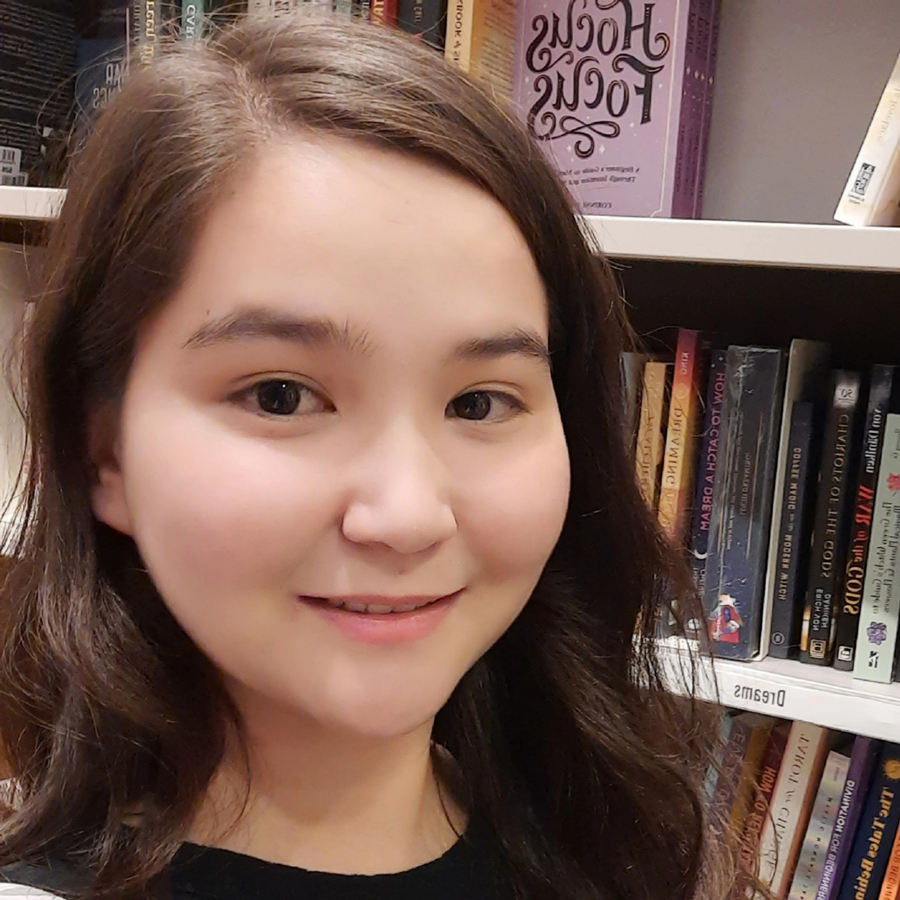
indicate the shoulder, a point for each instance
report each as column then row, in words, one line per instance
column 51, row 880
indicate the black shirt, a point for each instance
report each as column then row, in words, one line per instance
column 208, row 873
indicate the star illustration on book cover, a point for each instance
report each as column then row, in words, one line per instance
column 726, row 622
column 893, row 482
column 877, row 633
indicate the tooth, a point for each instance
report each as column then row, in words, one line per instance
column 356, row 607
column 405, row 608
column 378, row 608
column 337, row 604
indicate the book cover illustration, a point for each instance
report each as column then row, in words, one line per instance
column 600, row 86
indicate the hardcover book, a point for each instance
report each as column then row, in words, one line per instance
column 801, row 768
column 862, row 762
column 677, row 477
column 876, row 635
column 742, row 505
column 706, row 470
column 832, row 523
column 805, row 382
column 821, row 824
column 877, row 830
column 762, row 797
column 603, row 89
column 882, row 385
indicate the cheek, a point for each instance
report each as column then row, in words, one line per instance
column 514, row 512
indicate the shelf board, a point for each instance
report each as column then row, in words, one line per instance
column 749, row 243
column 792, row 690
column 30, row 203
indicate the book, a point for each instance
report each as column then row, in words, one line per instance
column 890, row 886
column 426, row 19
column 192, row 19
column 37, row 49
column 706, row 471
column 715, row 767
column 760, row 731
column 831, row 529
column 677, row 476
column 360, row 10
column 876, row 831
column 862, row 761
column 805, row 382
column 872, row 191
column 651, row 431
column 761, row 796
column 384, row 12
column 601, row 89
column 801, row 768
column 101, row 57
column 876, row 636
column 708, row 80
column 480, row 39
column 811, row 861
column 792, row 552
column 632, row 379
column 881, row 386
column 742, row 503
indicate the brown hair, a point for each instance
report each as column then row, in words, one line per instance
column 583, row 770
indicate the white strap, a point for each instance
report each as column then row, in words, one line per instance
column 13, row 891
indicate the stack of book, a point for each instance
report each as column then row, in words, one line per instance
column 780, row 478
column 815, row 812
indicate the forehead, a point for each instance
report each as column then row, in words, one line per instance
column 386, row 242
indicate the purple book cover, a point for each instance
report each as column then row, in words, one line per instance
column 599, row 84
column 859, row 774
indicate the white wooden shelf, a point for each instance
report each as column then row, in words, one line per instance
column 30, row 203
column 792, row 690
column 749, row 243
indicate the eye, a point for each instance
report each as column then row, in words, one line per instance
column 481, row 406
column 283, row 397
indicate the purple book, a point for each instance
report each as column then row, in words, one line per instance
column 601, row 87
column 859, row 775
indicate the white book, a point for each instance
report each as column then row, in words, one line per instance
column 806, row 373
column 877, row 634
column 821, row 824
column 798, row 778
column 873, row 188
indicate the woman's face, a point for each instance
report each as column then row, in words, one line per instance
column 344, row 412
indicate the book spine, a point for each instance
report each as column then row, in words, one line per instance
column 192, row 16
column 861, row 524
column 424, row 18
column 649, row 451
column 831, row 529
column 458, row 41
column 681, row 437
column 862, row 761
column 793, row 542
column 759, row 810
column 890, row 887
column 877, row 830
column 493, row 48
column 821, row 823
column 706, row 467
column 708, row 84
column 760, row 733
column 360, row 10
column 742, row 505
column 632, row 377
column 877, row 633
column 727, row 782
column 688, row 120
column 870, row 195
column 801, row 768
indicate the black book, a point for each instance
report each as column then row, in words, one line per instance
column 882, row 387
column 832, row 520
column 792, row 563
column 425, row 18
column 742, row 502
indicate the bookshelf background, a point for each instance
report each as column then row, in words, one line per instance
column 794, row 95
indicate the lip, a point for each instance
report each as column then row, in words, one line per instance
column 385, row 628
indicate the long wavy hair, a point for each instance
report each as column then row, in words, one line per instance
column 584, row 771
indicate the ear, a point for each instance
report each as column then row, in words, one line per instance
column 108, row 488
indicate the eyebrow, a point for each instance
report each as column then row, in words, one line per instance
column 255, row 322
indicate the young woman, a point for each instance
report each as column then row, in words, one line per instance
column 333, row 555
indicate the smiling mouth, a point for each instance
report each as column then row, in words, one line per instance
column 379, row 605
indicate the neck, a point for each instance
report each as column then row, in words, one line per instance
column 326, row 800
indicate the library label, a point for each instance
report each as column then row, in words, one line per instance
column 748, row 694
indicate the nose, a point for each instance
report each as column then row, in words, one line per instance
column 400, row 496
